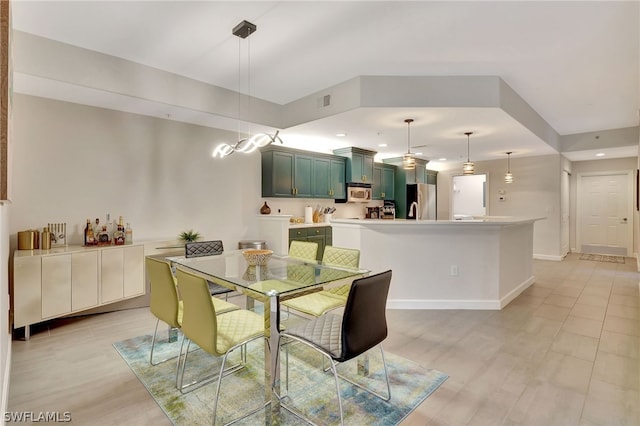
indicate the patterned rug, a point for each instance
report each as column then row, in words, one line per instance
column 311, row 391
column 602, row 258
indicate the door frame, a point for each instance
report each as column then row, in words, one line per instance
column 630, row 188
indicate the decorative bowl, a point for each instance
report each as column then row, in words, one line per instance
column 257, row 257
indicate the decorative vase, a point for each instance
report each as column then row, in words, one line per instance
column 265, row 209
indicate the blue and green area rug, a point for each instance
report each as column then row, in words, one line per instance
column 311, row 391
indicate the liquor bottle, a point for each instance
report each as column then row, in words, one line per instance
column 118, row 234
column 128, row 234
column 109, row 226
column 104, row 239
column 89, row 236
column 97, row 228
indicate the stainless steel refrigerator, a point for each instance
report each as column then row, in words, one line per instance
column 424, row 197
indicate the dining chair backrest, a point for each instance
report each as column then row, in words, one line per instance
column 203, row 248
column 364, row 322
column 199, row 322
column 338, row 256
column 305, row 250
column 164, row 302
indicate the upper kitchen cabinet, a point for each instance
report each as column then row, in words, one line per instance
column 359, row 164
column 417, row 175
column 383, row 182
column 288, row 173
column 329, row 178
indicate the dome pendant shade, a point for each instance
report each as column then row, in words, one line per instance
column 408, row 160
column 468, row 168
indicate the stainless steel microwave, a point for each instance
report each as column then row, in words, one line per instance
column 358, row 193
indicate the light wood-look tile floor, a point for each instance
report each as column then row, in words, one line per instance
column 565, row 352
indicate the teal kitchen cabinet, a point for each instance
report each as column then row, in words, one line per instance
column 318, row 234
column 359, row 164
column 303, row 176
column 383, row 181
column 288, row 173
column 329, row 178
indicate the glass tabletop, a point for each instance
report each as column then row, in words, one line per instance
column 280, row 276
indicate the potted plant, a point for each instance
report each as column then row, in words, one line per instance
column 189, row 236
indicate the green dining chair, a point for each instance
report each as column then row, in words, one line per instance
column 305, row 250
column 319, row 303
column 165, row 303
column 218, row 335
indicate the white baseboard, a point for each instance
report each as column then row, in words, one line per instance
column 5, row 382
column 548, row 257
column 443, row 304
column 516, row 291
column 475, row 304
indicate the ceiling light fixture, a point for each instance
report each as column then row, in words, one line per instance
column 341, row 135
column 508, row 177
column 468, row 168
column 600, row 154
column 408, row 160
column 249, row 144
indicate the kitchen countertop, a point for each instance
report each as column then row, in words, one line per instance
column 486, row 220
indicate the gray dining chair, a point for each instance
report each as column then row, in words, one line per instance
column 208, row 248
column 340, row 338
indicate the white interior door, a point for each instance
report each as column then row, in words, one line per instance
column 604, row 213
column 565, row 208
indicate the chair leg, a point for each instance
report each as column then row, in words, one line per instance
column 386, row 376
column 153, row 344
column 333, row 370
column 223, row 373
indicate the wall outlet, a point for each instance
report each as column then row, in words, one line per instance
column 453, row 271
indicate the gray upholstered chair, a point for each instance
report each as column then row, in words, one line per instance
column 342, row 338
column 208, row 248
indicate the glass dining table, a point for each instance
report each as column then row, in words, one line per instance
column 281, row 278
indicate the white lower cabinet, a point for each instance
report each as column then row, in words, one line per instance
column 52, row 283
column 84, row 280
column 112, row 274
column 133, row 271
column 56, row 285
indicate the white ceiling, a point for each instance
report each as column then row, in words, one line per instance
column 575, row 62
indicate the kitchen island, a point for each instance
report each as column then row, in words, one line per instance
column 440, row 264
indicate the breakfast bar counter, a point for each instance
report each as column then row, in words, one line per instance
column 441, row 264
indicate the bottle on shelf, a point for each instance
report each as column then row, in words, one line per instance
column 109, row 226
column 104, row 239
column 118, row 234
column 128, row 234
column 97, row 228
column 89, row 236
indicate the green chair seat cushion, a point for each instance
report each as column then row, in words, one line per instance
column 222, row 306
column 237, row 326
column 315, row 304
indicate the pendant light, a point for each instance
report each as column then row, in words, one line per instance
column 249, row 144
column 508, row 177
column 408, row 160
column 468, row 168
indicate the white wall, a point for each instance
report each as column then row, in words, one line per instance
column 535, row 192
column 75, row 162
